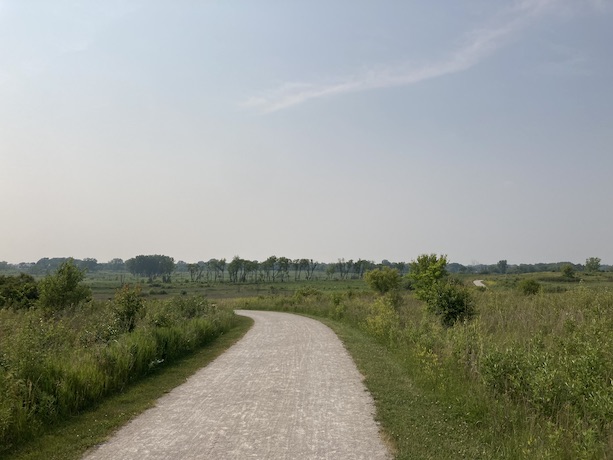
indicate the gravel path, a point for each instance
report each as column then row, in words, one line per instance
column 479, row 283
column 287, row 390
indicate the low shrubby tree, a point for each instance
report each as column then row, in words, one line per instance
column 127, row 304
column 529, row 286
column 451, row 302
column 592, row 264
column 568, row 271
column 383, row 280
column 64, row 288
column 424, row 272
column 444, row 296
column 19, row 291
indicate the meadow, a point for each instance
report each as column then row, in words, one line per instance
column 530, row 375
column 56, row 364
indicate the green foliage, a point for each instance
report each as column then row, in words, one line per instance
column 444, row 297
column 592, row 264
column 51, row 369
column 529, row 286
column 534, row 371
column 427, row 270
column 382, row 321
column 451, row 302
column 64, row 288
column 563, row 379
column 383, row 280
column 151, row 266
column 19, row 291
column 126, row 306
column 306, row 291
column 568, row 271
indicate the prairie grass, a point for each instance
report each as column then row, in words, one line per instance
column 530, row 377
column 70, row 438
column 53, row 367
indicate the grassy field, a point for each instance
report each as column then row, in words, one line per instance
column 56, row 364
column 104, row 285
column 531, row 376
column 71, row 437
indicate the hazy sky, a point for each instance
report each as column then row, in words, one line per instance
column 480, row 129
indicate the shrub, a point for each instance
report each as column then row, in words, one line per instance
column 50, row 369
column 451, row 301
column 383, row 280
column 425, row 273
column 64, row 288
column 568, row 271
column 529, row 286
column 382, row 320
column 126, row 305
column 18, row 291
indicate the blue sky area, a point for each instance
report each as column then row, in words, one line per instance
column 358, row 129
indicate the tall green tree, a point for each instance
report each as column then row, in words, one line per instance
column 151, row 266
column 310, row 266
column 592, row 264
column 343, row 267
column 425, row 272
column 194, row 271
column 284, row 264
column 234, row 268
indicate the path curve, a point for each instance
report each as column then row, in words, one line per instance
column 479, row 283
column 287, row 390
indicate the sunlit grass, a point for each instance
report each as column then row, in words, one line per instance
column 530, row 377
column 71, row 437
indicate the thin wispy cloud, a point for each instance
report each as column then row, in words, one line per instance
column 476, row 46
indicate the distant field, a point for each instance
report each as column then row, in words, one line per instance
column 104, row 285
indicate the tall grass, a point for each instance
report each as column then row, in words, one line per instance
column 53, row 367
column 538, row 370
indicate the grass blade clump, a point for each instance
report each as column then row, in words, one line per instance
column 54, row 366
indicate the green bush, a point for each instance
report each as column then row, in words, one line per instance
column 529, row 286
column 63, row 288
column 383, row 280
column 382, row 321
column 127, row 303
column 53, row 368
column 19, row 291
column 451, row 302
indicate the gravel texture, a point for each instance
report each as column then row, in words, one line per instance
column 287, row 390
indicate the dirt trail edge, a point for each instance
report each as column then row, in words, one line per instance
column 287, row 390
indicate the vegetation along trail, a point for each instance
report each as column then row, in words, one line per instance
column 287, row 390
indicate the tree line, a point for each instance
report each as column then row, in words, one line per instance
column 277, row 268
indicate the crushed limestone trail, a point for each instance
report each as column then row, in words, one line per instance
column 287, row 390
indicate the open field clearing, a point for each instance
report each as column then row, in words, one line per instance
column 523, row 371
